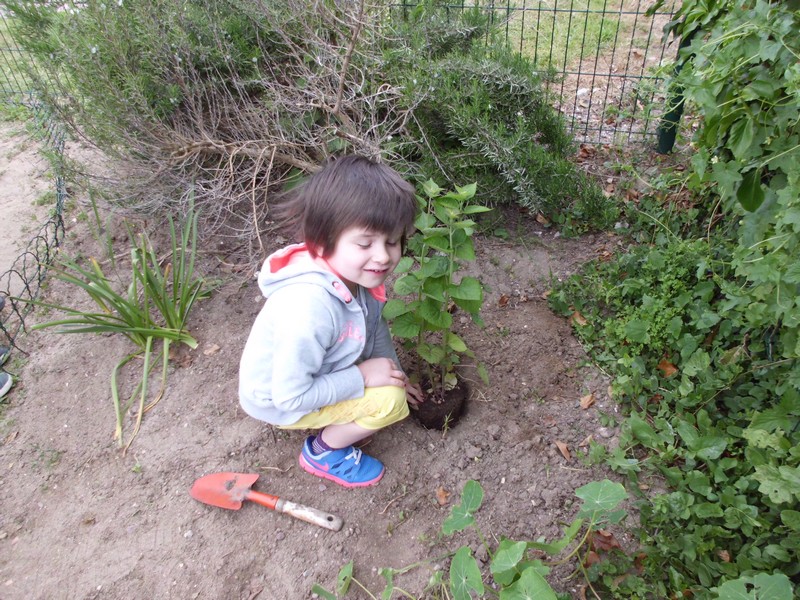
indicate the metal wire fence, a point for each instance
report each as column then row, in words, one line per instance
column 21, row 281
column 602, row 60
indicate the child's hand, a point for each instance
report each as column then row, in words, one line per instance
column 414, row 394
column 378, row 372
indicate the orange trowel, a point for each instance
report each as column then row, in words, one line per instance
column 229, row 490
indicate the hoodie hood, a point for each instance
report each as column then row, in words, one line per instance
column 294, row 264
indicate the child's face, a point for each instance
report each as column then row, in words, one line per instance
column 365, row 258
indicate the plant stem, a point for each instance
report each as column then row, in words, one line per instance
column 143, row 394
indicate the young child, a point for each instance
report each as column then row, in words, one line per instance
column 319, row 355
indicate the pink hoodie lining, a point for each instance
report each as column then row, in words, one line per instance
column 299, row 252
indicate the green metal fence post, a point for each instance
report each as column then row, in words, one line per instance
column 668, row 125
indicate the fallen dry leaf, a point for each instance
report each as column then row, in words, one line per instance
column 578, row 318
column 180, row 356
column 546, row 294
column 562, row 447
column 540, row 218
column 587, row 400
column 592, row 558
column 586, row 441
column 603, row 541
column 442, row 496
column 667, row 368
column 503, row 300
column 586, row 151
column 724, row 556
column 210, row 349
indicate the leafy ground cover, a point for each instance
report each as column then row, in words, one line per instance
column 699, row 326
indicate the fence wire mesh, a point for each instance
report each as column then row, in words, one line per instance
column 21, row 281
column 602, row 60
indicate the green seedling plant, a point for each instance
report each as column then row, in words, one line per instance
column 438, row 249
column 154, row 307
column 516, row 568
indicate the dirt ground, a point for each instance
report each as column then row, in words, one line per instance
column 80, row 520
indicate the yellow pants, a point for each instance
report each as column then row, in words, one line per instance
column 378, row 408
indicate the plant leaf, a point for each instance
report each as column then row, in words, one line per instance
column 750, row 193
column 530, row 585
column 763, row 587
column 600, row 496
column 344, row 578
column 465, row 576
column 504, row 563
column 322, row 592
column 461, row 515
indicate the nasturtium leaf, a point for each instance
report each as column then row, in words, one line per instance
column 530, row 585
column 600, row 496
column 505, row 561
column 461, row 515
column 465, row 576
column 322, row 592
column 750, row 193
column 707, row 319
column 344, row 578
column 388, row 590
column 555, row 548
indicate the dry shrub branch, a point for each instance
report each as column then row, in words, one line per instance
column 224, row 102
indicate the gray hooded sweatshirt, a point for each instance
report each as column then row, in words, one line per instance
column 308, row 338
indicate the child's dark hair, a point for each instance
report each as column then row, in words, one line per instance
column 351, row 191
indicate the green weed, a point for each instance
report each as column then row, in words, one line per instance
column 516, row 567
column 154, row 306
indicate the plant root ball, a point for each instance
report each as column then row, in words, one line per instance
column 439, row 412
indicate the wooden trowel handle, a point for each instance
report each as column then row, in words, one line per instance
column 298, row 511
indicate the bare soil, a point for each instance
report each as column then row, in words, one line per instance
column 81, row 520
